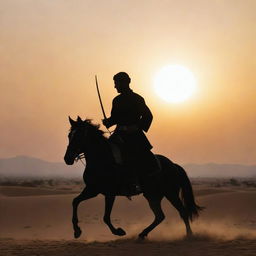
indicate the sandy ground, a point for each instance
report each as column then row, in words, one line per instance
column 38, row 222
column 197, row 246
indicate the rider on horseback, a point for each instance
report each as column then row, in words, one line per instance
column 131, row 116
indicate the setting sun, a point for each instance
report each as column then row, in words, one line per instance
column 174, row 83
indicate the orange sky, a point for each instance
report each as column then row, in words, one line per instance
column 51, row 50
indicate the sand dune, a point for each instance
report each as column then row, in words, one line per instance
column 226, row 227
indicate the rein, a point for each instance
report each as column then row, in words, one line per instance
column 80, row 157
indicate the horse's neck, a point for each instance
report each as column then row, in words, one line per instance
column 98, row 153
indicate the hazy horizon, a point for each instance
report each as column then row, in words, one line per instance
column 51, row 50
column 78, row 163
column 25, row 167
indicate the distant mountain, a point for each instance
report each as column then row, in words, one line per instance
column 220, row 170
column 23, row 166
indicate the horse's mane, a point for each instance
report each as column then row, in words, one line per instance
column 95, row 128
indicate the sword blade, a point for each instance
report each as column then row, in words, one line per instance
column 98, row 91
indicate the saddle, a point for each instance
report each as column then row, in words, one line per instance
column 119, row 156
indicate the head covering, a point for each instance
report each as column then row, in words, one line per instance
column 122, row 77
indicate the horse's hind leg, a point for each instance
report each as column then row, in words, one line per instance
column 155, row 206
column 85, row 194
column 176, row 202
column 109, row 201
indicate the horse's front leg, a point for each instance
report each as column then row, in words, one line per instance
column 85, row 194
column 109, row 201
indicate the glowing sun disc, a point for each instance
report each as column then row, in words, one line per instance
column 174, row 83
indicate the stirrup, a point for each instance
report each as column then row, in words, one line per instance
column 136, row 189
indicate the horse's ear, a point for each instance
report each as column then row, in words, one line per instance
column 72, row 122
column 79, row 120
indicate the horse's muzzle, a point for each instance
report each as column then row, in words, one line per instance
column 69, row 160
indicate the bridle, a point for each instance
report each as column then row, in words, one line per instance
column 80, row 156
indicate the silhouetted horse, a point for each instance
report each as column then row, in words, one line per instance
column 101, row 174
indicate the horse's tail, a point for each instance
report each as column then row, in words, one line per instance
column 187, row 196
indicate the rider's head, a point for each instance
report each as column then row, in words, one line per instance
column 122, row 81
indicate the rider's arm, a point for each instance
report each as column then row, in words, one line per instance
column 112, row 119
column 146, row 116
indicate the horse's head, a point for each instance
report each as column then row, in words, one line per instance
column 77, row 137
column 80, row 136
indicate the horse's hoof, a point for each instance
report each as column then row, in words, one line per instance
column 119, row 232
column 190, row 234
column 77, row 233
column 141, row 237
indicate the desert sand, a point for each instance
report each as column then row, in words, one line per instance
column 37, row 221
